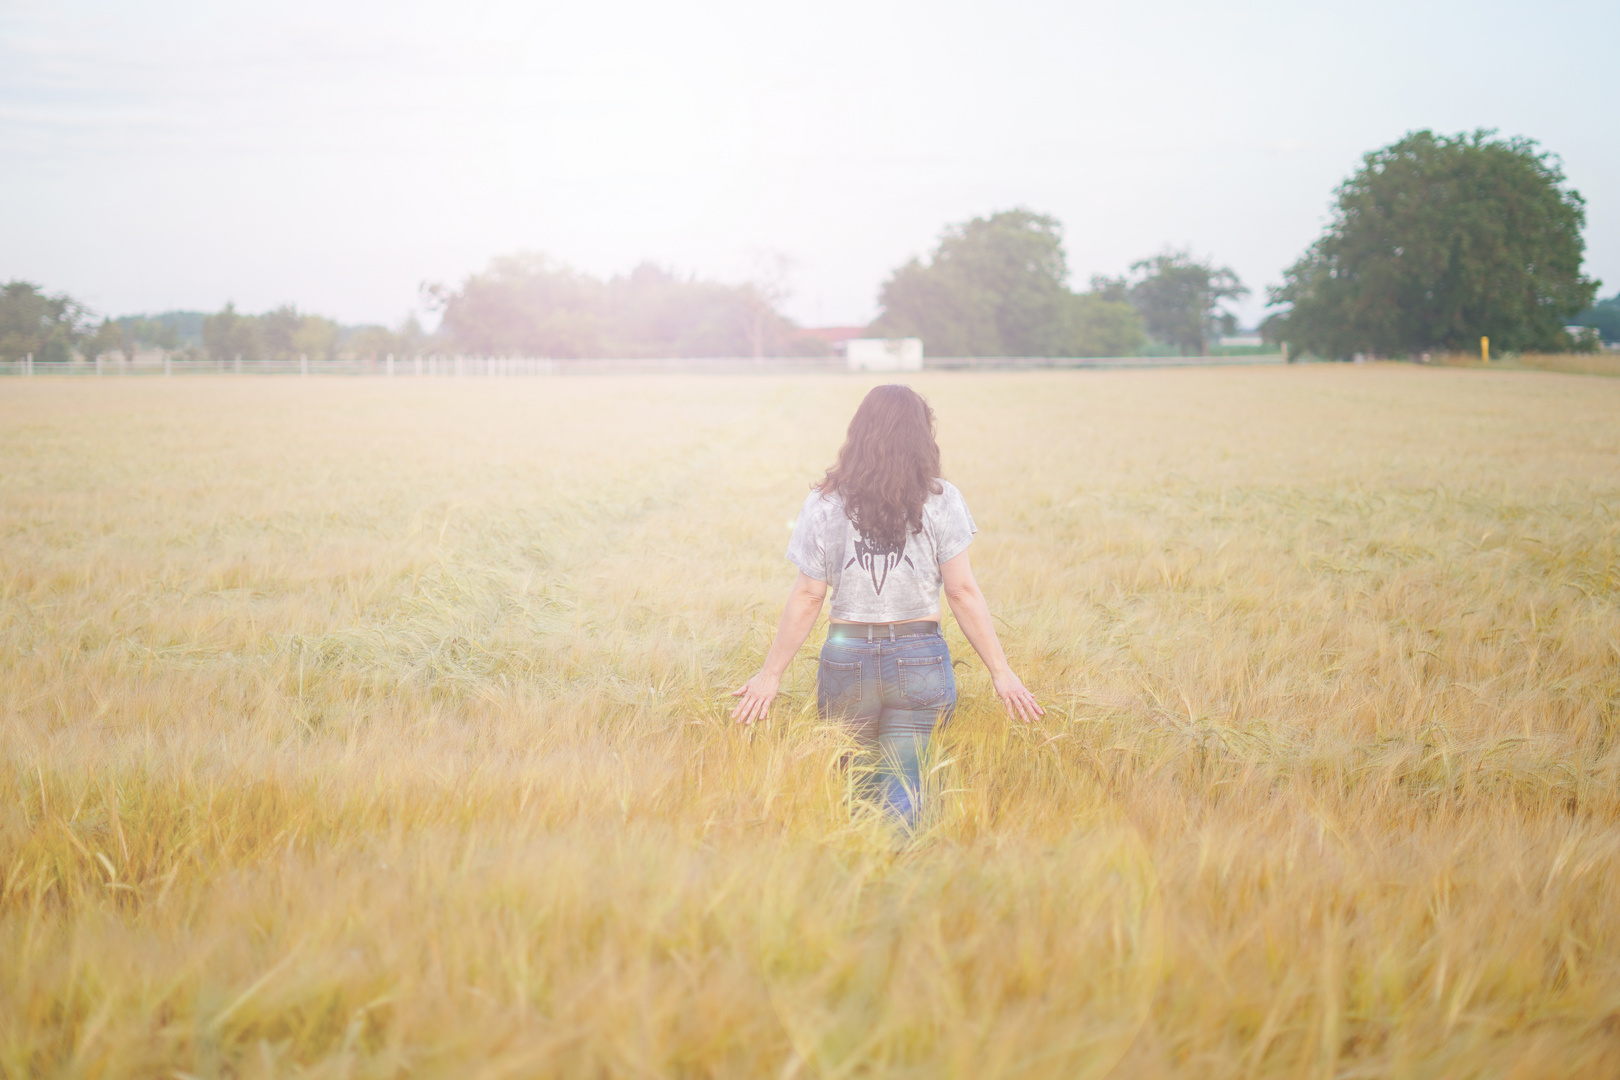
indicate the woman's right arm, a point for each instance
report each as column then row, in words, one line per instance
column 972, row 613
column 798, row 616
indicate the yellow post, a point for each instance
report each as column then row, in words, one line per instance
column 1484, row 350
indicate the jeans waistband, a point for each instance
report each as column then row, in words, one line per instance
column 881, row 631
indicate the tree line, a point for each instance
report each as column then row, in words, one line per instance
column 995, row 287
column 523, row 305
column 1435, row 242
column 53, row 328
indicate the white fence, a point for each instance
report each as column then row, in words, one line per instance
column 412, row 366
column 500, row 367
column 981, row 363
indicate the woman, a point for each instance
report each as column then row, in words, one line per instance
column 884, row 533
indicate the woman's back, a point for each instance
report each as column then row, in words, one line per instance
column 873, row 581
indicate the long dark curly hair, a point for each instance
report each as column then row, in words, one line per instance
column 888, row 466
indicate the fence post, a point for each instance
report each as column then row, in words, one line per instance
column 461, row 366
column 98, row 367
column 390, row 365
column 303, row 363
column 165, row 365
column 28, row 365
column 236, row 367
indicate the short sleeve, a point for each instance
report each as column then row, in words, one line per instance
column 807, row 549
column 953, row 525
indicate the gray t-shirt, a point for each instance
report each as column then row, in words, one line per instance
column 869, row 583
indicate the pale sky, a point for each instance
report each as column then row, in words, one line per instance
column 177, row 154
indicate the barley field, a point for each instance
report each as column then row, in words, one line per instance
column 373, row 728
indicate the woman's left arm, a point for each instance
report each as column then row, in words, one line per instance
column 798, row 616
column 973, row 616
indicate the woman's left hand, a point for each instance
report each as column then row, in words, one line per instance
column 757, row 694
column 1020, row 703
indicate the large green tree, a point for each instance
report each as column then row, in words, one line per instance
column 997, row 286
column 33, row 323
column 1436, row 241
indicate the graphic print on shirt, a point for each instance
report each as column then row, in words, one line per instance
column 877, row 559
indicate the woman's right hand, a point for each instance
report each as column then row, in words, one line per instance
column 1020, row 702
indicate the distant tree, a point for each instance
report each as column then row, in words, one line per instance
column 160, row 332
column 524, row 304
column 278, row 329
column 316, row 336
column 1180, row 299
column 227, row 335
column 47, row 327
column 129, row 337
column 997, row 286
column 1117, row 289
column 1603, row 316
column 657, row 312
column 411, row 338
column 107, row 338
column 1437, row 241
column 169, row 330
column 1584, row 339
column 1096, row 326
column 372, row 342
column 376, row 342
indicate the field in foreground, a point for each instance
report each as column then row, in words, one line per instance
column 357, row 728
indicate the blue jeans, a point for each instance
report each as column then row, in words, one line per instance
column 891, row 695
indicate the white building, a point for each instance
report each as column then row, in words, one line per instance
column 884, row 354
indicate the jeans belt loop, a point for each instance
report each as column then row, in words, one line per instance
column 891, row 633
column 868, row 631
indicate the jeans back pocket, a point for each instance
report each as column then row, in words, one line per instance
column 838, row 687
column 924, row 680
